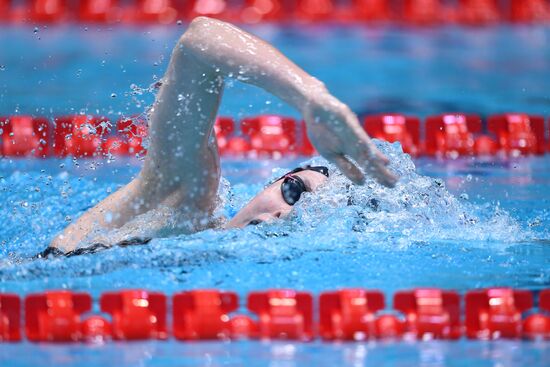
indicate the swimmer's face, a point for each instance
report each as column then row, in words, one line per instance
column 269, row 204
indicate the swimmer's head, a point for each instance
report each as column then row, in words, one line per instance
column 277, row 199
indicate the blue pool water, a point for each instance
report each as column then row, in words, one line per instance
column 462, row 224
column 56, row 70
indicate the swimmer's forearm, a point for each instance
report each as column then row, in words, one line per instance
column 231, row 51
column 333, row 128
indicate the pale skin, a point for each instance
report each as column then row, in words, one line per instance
column 182, row 167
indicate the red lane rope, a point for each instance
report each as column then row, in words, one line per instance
column 447, row 135
column 345, row 314
column 415, row 12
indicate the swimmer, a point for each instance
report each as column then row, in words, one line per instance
column 181, row 172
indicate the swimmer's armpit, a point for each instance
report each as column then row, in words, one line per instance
column 55, row 252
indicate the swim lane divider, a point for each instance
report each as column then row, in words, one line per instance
column 352, row 314
column 410, row 12
column 448, row 135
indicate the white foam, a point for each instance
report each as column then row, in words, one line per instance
column 419, row 208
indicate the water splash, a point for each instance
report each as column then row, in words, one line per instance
column 419, row 208
column 340, row 227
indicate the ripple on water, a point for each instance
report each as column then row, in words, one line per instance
column 342, row 234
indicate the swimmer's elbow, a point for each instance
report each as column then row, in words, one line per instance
column 196, row 29
column 202, row 21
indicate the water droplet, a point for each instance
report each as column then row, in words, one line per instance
column 35, row 30
column 180, row 97
column 2, row 67
column 179, row 22
column 113, row 95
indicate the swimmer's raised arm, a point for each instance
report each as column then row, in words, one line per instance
column 332, row 127
column 182, row 168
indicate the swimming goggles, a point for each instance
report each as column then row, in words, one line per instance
column 293, row 186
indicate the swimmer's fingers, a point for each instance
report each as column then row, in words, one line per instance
column 367, row 156
column 348, row 168
column 382, row 174
column 374, row 163
column 385, row 161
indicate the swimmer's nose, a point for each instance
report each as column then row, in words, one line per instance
column 282, row 213
column 267, row 217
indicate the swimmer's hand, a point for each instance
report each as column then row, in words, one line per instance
column 335, row 132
